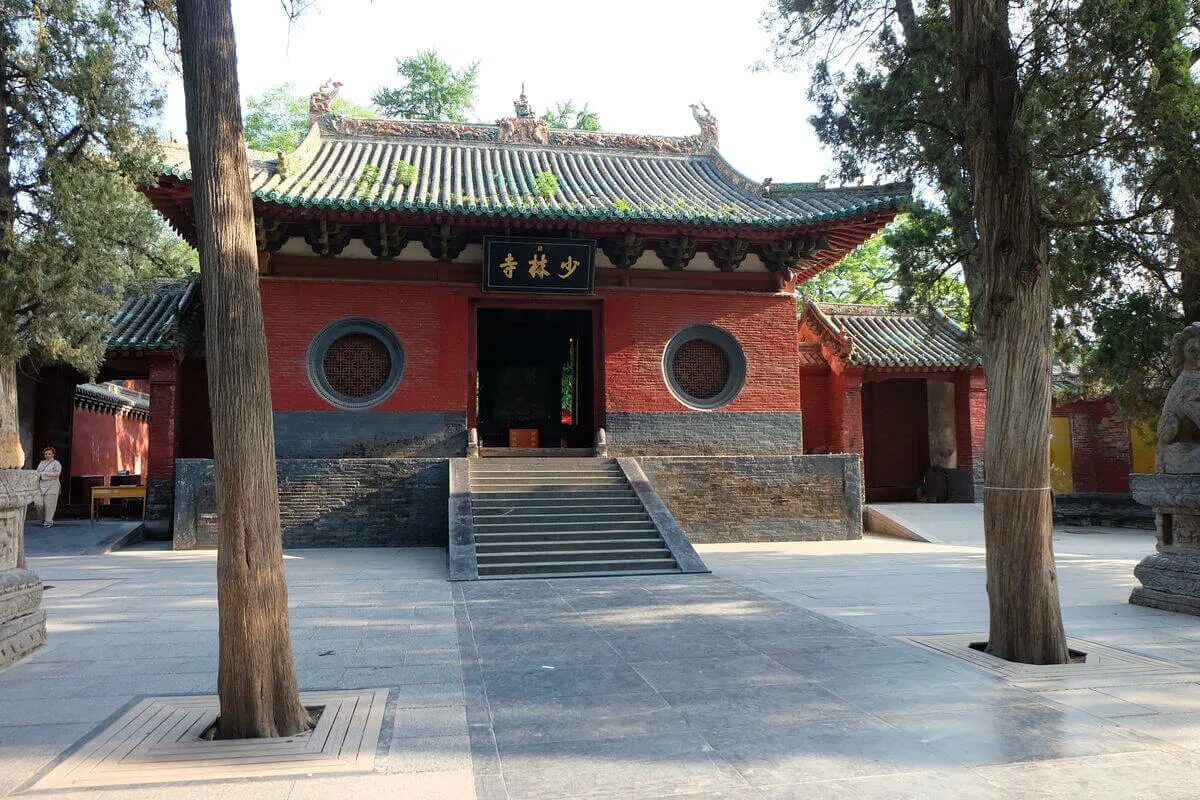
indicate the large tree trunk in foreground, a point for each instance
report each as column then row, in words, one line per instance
column 1014, row 319
column 256, row 678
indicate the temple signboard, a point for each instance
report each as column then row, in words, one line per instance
column 561, row 266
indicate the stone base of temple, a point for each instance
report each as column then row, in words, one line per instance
column 22, row 623
column 1170, row 581
column 21, row 636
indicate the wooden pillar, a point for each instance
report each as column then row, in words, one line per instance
column 970, row 413
column 164, row 442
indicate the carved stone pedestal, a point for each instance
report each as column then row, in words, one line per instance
column 1171, row 576
column 22, row 622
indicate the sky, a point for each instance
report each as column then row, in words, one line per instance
column 637, row 63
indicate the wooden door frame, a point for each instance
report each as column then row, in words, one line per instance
column 595, row 305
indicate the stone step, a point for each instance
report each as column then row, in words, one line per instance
column 564, row 515
column 487, row 506
column 567, row 496
column 556, row 469
column 482, row 537
column 553, row 526
column 577, row 459
column 562, row 556
column 547, row 545
column 557, row 568
column 523, row 478
column 595, row 573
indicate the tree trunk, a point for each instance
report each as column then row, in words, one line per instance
column 1015, row 315
column 11, row 454
column 1185, row 225
column 256, row 677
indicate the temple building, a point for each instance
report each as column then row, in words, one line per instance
column 904, row 390
column 435, row 290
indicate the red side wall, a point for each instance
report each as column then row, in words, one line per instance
column 432, row 326
column 815, row 406
column 638, row 324
column 103, row 444
column 429, row 321
column 1101, row 454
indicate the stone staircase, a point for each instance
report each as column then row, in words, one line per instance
column 560, row 517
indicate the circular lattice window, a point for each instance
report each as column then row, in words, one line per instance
column 704, row 367
column 355, row 363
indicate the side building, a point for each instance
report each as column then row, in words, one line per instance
column 431, row 285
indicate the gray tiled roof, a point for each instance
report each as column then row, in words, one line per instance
column 151, row 321
column 467, row 169
column 883, row 336
column 113, row 397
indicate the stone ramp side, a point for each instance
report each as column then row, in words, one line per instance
column 559, row 517
column 935, row 523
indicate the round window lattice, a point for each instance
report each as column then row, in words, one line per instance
column 355, row 363
column 700, row 369
column 704, row 367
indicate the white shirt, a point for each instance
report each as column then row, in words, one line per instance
column 48, row 472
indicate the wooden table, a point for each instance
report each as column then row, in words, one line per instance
column 118, row 493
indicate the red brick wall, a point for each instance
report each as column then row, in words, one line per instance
column 638, row 324
column 429, row 321
column 104, row 443
column 164, row 416
column 1101, row 454
column 970, row 415
column 814, row 404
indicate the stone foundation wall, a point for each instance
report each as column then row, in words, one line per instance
column 761, row 498
column 638, row 433
column 370, row 434
column 353, row 502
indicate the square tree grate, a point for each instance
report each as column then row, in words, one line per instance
column 159, row 741
column 1104, row 665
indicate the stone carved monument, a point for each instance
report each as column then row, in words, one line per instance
column 22, row 622
column 1171, row 576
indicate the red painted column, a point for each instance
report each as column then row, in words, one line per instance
column 846, row 406
column 164, row 441
column 970, row 413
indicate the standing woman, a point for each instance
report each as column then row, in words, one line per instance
column 46, row 499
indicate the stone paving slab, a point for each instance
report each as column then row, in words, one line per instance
column 785, row 674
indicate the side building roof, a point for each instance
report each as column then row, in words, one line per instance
column 113, row 399
column 888, row 337
column 156, row 320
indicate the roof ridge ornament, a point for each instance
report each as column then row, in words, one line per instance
column 320, row 102
column 708, row 125
column 524, row 127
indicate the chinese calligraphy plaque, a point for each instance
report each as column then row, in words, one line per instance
column 560, row 266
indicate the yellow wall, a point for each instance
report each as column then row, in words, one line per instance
column 1061, row 474
column 1142, row 440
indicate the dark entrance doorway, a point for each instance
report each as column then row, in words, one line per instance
column 535, row 371
column 895, row 438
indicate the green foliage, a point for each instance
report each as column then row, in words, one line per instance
column 1110, row 112
column 1129, row 357
column 75, row 234
column 566, row 115
column 432, row 89
column 365, row 183
column 881, row 271
column 545, row 185
column 406, row 173
column 277, row 120
column 622, row 205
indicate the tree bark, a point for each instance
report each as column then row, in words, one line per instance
column 256, row 677
column 11, row 454
column 1015, row 316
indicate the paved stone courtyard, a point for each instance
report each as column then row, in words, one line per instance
column 784, row 674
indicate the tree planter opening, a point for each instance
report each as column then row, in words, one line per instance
column 169, row 740
column 1077, row 656
column 314, row 713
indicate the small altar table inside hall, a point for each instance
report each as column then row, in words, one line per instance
column 118, row 493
